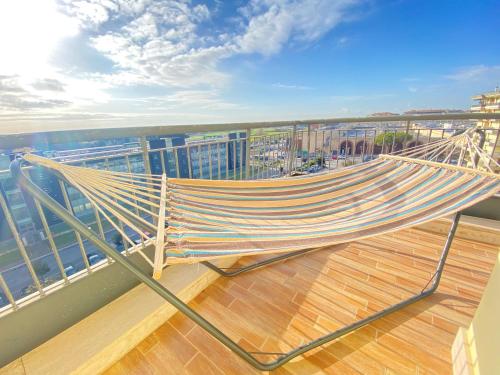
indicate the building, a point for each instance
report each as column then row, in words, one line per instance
column 489, row 103
column 384, row 114
column 433, row 111
column 20, row 210
column 185, row 158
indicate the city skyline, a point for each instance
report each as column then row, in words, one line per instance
column 119, row 63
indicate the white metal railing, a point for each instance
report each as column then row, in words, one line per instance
column 49, row 255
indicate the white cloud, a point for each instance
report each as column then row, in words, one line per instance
column 29, row 33
column 48, row 84
column 410, row 79
column 13, row 97
column 161, row 44
column 359, row 98
column 204, row 99
column 151, row 43
column 274, row 23
column 476, row 72
column 342, row 41
column 291, row 87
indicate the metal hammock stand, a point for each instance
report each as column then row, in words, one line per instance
column 25, row 182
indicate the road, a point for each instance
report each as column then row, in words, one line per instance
column 18, row 277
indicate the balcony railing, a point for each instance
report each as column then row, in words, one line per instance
column 39, row 253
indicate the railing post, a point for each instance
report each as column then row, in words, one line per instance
column 8, row 294
column 482, row 139
column 407, row 133
column 50, row 239
column 247, row 155
column 308, row 141
column 20, row 244
column 292, row 150
column 210, row 167
column 407, row 127
column 69, row 207
column 145, row 154
column 219, row 177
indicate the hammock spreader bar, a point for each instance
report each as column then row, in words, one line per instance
column 249, row 357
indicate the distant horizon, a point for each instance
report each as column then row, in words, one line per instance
column 326, row 120
column 115, row 63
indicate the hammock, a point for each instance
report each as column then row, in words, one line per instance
column 212, row 219
column 209, row 219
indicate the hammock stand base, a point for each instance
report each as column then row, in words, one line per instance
column 237, row 271
column 170, row 297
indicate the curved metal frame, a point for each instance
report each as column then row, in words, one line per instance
column 76, row 224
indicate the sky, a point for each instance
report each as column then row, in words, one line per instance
column 109, row 63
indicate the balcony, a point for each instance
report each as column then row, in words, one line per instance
column 485, row 107
column 295, row 296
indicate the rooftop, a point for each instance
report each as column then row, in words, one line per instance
column 491, row 94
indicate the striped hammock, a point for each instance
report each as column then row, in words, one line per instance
column 196, row 220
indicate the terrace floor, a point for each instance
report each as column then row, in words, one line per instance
column 283, row 305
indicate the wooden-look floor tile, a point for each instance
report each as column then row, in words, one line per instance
column 290, row 303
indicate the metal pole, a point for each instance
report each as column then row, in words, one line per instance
column 227, row 160
column 247, row 155
column 323, row 162
column 339, row 148
column 308, row 141
column 292, row 150
column 364, row 148
column 120, row 224
column 73, row 222
column 20, row 244
column 176, row 157
column 162, row 161
column 145, row 155
column 407, row 128
column 218, row 162
column 241, row 159
column 76, row 224
column 210, row 174
column 330, row 150
column 393, row 140
column 234, row 159
column 480, row 145
column 8, row 294
column 189, row 162
column 354, row 147
column 77, row 234
column 200, row 162
column 50, row 239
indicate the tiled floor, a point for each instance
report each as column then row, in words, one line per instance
column 286, row 304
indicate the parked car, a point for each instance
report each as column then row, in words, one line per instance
column 69, row 270
column 93, row 258
column 314, row 169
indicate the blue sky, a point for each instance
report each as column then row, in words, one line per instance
column 87, row 63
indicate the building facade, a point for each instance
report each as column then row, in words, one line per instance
column 489, row 103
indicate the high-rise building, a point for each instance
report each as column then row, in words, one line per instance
column 490, row 103
column 20, row 210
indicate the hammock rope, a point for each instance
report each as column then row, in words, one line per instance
column 193, row 220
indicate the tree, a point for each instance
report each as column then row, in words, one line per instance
column 117, row 238
column 390, row 138
column 41, row 268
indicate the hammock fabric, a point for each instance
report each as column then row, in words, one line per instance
column 209, row 219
